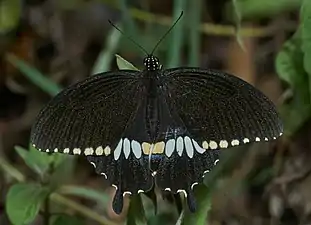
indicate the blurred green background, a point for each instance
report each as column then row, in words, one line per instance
column 46, row 45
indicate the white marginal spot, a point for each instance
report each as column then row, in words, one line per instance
column 39, row 149
column 198, row 147
column 99, row 150
column 281, row 134
column 223, row 144
column 104, row 175
column 216, row 161
column 140, row 191
column 117, row 151
column 167, row 189
column 136, row 149
column 189, row 146
column 205, row 145
column 76, row 151
column 246, row 140
column 183, row 191
column 93, row 164
column 33, row 145
column 257, row 139
column 56, row 150
column 169, row 147
column 107, row 150
column 192, row 185
column 213, row 144
column 274, row 138
column 235, row 142
column 205, row 172
column 66, row 150
column 126, row 192
column 180, row 145
column 89, row 151
column 115, row 186
column 266, row 139
column 126, row 148
column 154, row 173
column 47, row 150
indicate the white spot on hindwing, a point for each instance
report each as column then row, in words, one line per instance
column 126, row 148
column 197, row 147
column 136, row 149
column 169, row 147
column 189, row 147
column 180, row 145
column 117, row 151
column 66, row 150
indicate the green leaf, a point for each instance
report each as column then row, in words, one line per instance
column 38, row 161
column 290, row 67
column 125, row 65
column 63, row 169
column 136, row 213
column 66, row 220
column 306, row 37
column 23, row 202
column 85, row 192
column 35, row 76
column 10, row 13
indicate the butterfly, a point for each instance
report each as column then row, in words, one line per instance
column 162, row 127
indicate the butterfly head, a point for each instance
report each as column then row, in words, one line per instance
column 152, row 63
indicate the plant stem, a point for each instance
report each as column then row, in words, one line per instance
column 47, row 214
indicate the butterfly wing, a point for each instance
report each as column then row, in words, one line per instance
column 89, row 118
column 219, row 111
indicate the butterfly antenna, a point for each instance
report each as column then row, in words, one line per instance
column 128, row 37
column 167, row 32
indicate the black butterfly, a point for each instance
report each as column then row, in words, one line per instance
column 157, row 125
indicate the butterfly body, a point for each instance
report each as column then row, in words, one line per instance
column 163, row 127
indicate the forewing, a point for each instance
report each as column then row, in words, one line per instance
column 221, row 108
column 87, row 115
